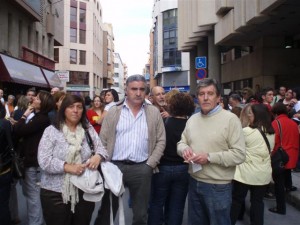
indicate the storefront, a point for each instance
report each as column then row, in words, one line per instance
column 16, row 76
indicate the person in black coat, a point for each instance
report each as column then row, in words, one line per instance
column 5, row 172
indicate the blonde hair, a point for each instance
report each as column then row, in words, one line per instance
column 244, row 117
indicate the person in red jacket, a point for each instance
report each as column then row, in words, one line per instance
column 94, row 114
column 290, row 143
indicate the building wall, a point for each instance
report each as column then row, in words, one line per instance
column 93, row 48
column 248, row 46
column 19, row 29
column 119, row 71
column 167, row 75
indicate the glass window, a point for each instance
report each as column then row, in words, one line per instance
column 82, row 38
column 79, row 78
column 73, row 35
column 82, row 16
column 73, row 14
column 73, row 56
column 82, row 57
column 56, row 54
column 116, row 75
column 166, row 34
column 116, row 65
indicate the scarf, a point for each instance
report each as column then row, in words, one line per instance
column 74, row 139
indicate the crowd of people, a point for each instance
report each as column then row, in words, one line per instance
column 166, row 146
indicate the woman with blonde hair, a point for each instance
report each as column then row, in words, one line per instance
column 254, row 174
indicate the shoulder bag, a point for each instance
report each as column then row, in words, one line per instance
column 280, row 158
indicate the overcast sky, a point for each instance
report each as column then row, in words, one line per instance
column 131, row 22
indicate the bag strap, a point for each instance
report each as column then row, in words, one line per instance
column 265, row 138
column 90, row 141
column 280, row 131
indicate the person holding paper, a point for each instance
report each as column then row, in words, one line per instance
column 212, row 138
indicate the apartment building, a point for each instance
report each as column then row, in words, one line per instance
column 119, row 74
column 29, row 31
column 170, row 67
column 82, row 53
column 247, row 43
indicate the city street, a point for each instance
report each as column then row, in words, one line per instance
column 291, row 218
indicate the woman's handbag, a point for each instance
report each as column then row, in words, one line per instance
column 280, row 158
column 17, row 165
column 11, row 159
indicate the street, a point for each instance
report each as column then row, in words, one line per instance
column 291, row 218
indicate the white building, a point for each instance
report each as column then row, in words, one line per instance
column 119, row 71
column 170, row 66
column 82, row 53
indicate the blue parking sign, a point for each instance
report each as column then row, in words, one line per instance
column 200, row 62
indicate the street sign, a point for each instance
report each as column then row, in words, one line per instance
column 63, row 75
column 201, row 74
column 200, row 62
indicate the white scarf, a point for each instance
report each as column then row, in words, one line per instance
column 74, row 139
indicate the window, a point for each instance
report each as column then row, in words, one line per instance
column 82, row 16
column 116, row 75
column 82, row 36
column 79, row 78
column 116, row 85
column 82, row 55
column 73, row 14
column 116, row 65
column 73, row 56
column 56, row 54
column 73, row 35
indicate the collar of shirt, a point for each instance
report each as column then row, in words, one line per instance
column 217, row 108
column 127, row 106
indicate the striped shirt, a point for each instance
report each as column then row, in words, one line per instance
column 131, row 136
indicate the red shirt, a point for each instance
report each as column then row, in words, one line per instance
column 93, row 117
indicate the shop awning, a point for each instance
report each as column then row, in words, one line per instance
column 52, row 78
column 17, row 71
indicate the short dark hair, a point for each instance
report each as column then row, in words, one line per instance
column 279, row 108
column 114, row 94
column 236, row 97
column 47, row 101
column 61, row 117
column 31, row 90
column 263, row 93
column 207, row 82
column 181, row 104
column 262, row 118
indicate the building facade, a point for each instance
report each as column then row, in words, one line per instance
column 29, row 31
column 109, row 52
column 119, row 74
column 170, row 66
column 82, row 53
column 247, row 43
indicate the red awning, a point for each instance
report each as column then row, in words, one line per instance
column 17, row 71
column 52, row 78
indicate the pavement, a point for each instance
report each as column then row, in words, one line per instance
column 293, row 197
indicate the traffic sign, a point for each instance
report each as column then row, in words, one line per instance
column 201, row 74
column 200, row 62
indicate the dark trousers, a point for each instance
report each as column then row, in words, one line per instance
column 137, row 178
column 288, row 183
column 239, row 194
column 5, row 181
column 168, row 195
column 56, row 212
column 279, row 187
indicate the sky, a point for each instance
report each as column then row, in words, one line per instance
column 132, row 22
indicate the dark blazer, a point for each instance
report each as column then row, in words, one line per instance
column 30, row 135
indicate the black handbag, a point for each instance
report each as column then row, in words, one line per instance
column 280, row 158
